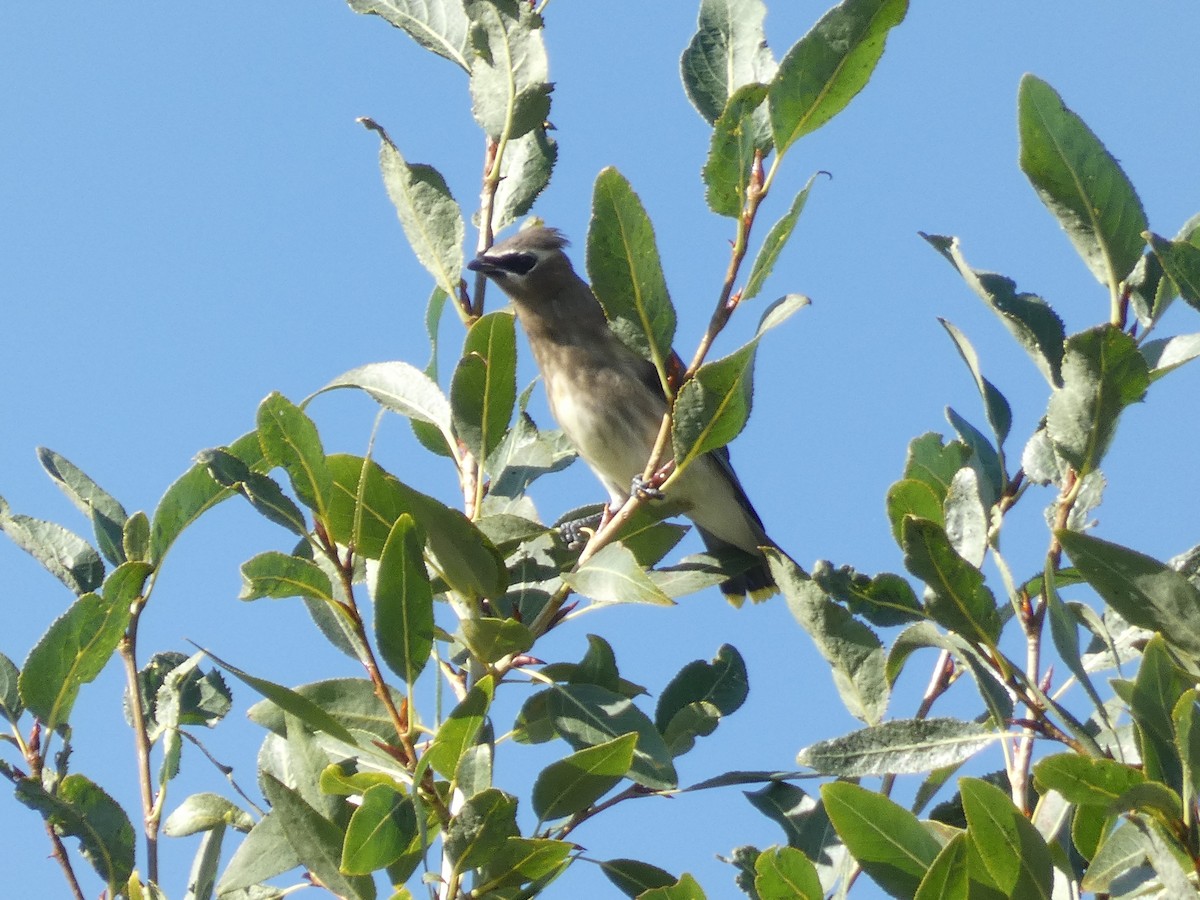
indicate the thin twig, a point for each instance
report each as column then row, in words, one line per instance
column 60, row 854
column 151, row 808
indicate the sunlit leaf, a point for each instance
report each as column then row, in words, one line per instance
column 888, row 841
column 1080, row 182
column 625, row 271
column 898, row 747
column 404, row 601
column 429, row 215
column 1102, row 373
column 826, row 68
column 576, row 782
column 437, row 25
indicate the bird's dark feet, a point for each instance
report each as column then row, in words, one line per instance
column 576, row 532
column 646, row 489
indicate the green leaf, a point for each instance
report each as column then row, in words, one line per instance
column 740, row 137
column 404, row 601
column 490, row 640
column 625, row 271
column 524, row 455
column 352, row 702
column 520, row 860
column 948, row 877
column 508, row 532
column 992, row 687
column 614, row 575
column 80, row 809
column 78, row 645
column 1186, row 718
column 194, row 493
column 908, row 499
column 107, row 515
column 696, row 699
column 686, row 888
column 826, row 68
column 1152, row 797
column 803, row 820
column 785, row 873
column 483, row 392
column 1122, row 851
column 65, row 555
column 1089, row 826
column 461, row 729
column 1159, row 685
column 728, row 50
column 403, row 389
column 966, row 512
column 887, row 840
column 525, row 171
column 176, row 692
column 203, row 812
column 1181, row 261
column 854, row 653
column 959, row 600
column 933, row 464
column 510, row 94
column 692, row 574
column 999, row 413
column 898, row 747
column 598, row 666
column 458, row 552
column 202, row 877
column 1028, row 317
column 11, row 706
column 1146, row 592
column 722, row 682
column 1012, row 850
column 1102, row 373
column 774, row 242
column 135, row 538
column 576, row 782
column 1064, row 631
column 437, row 25
column 712, row 408
column 290, row 701
column 263, row 854
column 1165, row 354
column 632, row 877
column 1172, row 862
column 429, row 215
column 289, row 440
column 274, row 574
column 379, row 832
column 476, row 765
column 1081, row 183
column 885, row 599
column 316, row 840
column 586, row 715
column 649, row 539
column 263, row 493
column 480, row 828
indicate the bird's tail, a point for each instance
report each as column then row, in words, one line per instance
column 754, row 578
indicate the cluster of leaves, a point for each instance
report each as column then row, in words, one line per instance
column 362, row 775
column 1116, row 811
column 369, row 775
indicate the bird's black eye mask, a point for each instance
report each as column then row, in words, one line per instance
column 515, row 263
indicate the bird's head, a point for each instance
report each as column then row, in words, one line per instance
column 530, row 267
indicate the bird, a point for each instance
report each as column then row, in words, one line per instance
column 609, row 400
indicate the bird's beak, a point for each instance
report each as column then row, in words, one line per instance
column 482, row 264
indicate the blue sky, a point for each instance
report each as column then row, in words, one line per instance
column 190, row 218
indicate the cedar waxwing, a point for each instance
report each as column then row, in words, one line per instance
column 609, row 401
